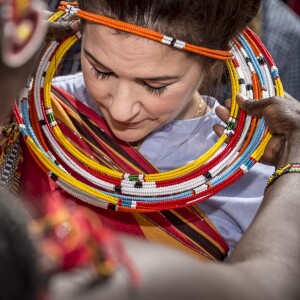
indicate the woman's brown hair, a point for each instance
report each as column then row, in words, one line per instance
column 207, row 23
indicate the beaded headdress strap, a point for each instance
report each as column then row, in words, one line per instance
column 143, row 32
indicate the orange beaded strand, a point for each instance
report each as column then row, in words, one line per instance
column 143, row 32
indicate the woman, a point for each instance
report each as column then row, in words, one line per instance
column 262, row 266
column 149, row 95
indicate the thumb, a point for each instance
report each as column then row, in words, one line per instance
column 250, row 106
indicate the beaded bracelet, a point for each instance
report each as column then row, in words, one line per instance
column 287, row 169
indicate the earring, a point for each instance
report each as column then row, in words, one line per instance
column 22, row 37
column 23, row 32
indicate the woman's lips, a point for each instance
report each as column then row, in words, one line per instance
column 127, row 124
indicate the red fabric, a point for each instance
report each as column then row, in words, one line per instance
column 92, row 115
column 43, row 194
column 295, row 6
column 36, row 187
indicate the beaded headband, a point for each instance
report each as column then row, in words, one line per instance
column 252, row 72
column 143, row 32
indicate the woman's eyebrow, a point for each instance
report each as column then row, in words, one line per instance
column 94, row 59
column 155, row 78
column 160, row 78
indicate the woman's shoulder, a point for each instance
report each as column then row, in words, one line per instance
column 69, row 81
column 74, row 85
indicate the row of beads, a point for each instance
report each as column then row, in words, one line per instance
column 287, row 169
column 143, row 32
column 192, row 183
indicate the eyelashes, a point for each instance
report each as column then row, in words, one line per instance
column 100, row 75
column 152, row 90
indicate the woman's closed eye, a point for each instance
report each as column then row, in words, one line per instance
column 155, row 90
column 151, row 89
column 100, row 74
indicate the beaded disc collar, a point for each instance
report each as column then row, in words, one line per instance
column 252, row 72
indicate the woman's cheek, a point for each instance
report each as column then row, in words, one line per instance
column 97, row 89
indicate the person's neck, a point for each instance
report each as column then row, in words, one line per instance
column 195, row 109
column 136, row 145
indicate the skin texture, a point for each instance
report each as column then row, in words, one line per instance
column 121, row 73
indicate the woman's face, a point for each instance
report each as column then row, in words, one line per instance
column 138, row 84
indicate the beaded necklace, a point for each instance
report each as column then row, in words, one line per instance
column 252, row 72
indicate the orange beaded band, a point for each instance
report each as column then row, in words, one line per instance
column 143, row 32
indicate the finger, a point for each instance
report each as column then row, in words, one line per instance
column 75, row 25
column 58, row 31
column 223, row 113
column 252, row 107
column 228, row 103
column 218, row 129
column 272, row 151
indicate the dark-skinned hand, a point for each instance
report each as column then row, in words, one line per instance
column 61, row 30
column 282, row 116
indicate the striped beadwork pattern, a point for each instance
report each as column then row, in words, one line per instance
column 252, row 72
column 9, row 157
column 187, row 228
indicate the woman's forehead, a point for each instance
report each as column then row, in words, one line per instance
column 104, row 41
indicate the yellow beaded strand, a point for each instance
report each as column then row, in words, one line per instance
column 148, row 177
column 65, row 176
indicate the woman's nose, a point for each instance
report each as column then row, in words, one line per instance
column 124, row 102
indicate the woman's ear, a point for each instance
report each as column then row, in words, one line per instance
column 23, row 36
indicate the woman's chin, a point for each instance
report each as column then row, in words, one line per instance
column 128, row 137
